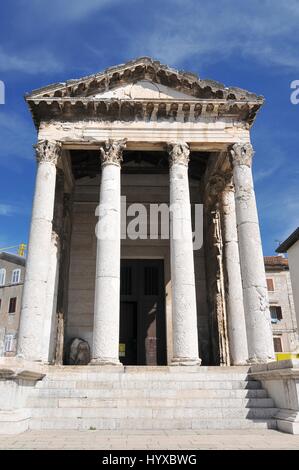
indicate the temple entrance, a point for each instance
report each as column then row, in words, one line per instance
column 142, row 313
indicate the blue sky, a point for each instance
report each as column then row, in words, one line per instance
column 253, row 45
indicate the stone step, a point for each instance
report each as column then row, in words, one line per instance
column 148, row 424
column 150, row 384
column 148, row 393
column 153, row 376
column 154, row 413
column 148, row 402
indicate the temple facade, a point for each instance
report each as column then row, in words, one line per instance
column 111, row 148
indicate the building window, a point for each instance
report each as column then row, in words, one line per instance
column 2, row 276
column 270, row 284
column 9, row 343
column 16, row 276
column 276, row 313
column 12, row 305
column 277, row 344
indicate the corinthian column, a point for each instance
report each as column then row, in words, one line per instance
column 184, row 315
column 107, row 294
column 234, row 292
column 30, row 338
column 257, row 315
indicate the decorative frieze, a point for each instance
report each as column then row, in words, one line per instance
column 135, row 110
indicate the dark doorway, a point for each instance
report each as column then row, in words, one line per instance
column 142, row 313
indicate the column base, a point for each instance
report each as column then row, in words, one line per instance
column 105, row 362
column 241, row 363
column 260, row 360
column 185, row 361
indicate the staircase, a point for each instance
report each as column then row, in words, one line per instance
column 150, row 398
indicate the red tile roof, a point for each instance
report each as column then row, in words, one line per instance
column 275, row 261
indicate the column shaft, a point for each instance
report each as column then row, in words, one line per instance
column 257, row 315
column 184, row 312
column 234, row 291
column 107, row 289
column 50, row 320
column 30, row 338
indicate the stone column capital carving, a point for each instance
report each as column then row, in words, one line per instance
column 179, row 153
column 241, row 154
column 111, row 152
column 48, row 151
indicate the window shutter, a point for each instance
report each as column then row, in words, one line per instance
column 278, row 313
column 12, row 305
column 270, row 284
column 277, row 344
column 2, row 277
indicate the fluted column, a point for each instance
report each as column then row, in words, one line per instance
column 30, row 338
column 107, row 288
column 257, row 315
column 234, row 291
column 184, row 314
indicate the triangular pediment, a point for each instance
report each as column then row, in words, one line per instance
column 140, row 76
column 114, row 94
column 143, row 89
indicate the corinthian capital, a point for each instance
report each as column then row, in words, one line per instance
column 178, row 153
column 242, row 154
column 112, row 152
column 48, row 151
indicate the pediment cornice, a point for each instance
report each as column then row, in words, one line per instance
column 82, row 97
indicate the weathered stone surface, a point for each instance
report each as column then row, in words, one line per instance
column 157, row 398
column 92, row 96
column 107, row 288
column 184, row 316
column 234, row 292
column 257, row 315
column 38, row 258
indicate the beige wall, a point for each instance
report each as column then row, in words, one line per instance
column 139, row 188
column 9, row 322
column 293, row 255
column 282, row 296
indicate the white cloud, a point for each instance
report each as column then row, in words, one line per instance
column 17, row 137
column 7, row 209
column 269, row 167
column 211, row 31
column 69, row 10
column 30, row 62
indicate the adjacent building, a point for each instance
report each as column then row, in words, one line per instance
column 291, row 247
column 282, row 310
column 12, row 273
